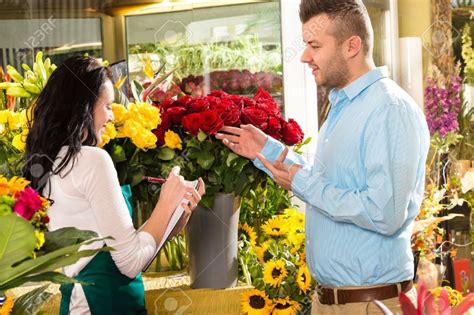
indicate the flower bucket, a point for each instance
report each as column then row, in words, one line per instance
column 212, row 243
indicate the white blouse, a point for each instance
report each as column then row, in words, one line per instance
column 89, row 197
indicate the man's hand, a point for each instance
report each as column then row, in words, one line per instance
column 246, row 141
column 283, row 174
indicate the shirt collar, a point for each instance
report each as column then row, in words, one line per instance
column 356, row 87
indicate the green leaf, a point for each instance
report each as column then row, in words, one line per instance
column 137, row 176
column 201, row 136
column 31, row 302
column 137, row 90
column 51, row 276
column 118, row 154
column 205, row 160
column 63, row 237
column 48, row 262
column 17, row 239
column 230, row 158
column 165, row 154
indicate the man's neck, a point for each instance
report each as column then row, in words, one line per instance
column 358, row 71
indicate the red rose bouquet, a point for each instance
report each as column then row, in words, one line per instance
column 186, row 137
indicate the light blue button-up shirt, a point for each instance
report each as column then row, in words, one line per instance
column 365, row 186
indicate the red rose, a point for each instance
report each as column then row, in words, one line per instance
column 223, row 105
column 27, row 203
column 255, row 116
column 218, row 93
column 167, row 103
column 184, row 101
column 176, row 113
column 160, row 135
column 198, row 105
column 231, row 117
column 192, row 123
column 270, row 107
column 291, row 132
column 262, row 95
column 211, row 122
column 165, row 120
column 274, row 126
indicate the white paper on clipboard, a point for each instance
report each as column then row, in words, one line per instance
column 178, row 212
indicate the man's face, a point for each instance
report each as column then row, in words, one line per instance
column 323, row 54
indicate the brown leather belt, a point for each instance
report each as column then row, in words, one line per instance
column 328, row 295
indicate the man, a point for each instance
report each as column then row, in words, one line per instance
column 366, row 184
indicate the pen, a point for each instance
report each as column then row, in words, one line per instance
column 155, row 180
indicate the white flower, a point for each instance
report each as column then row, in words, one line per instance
column 467, row 182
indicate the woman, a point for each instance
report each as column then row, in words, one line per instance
column 63, row 163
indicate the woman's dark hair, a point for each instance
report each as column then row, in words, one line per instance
column 63, row 116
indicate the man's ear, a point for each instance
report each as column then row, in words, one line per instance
column 353, row 46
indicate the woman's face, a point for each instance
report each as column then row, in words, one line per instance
column 103, row 109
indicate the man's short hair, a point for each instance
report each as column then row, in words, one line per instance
column 350, row 18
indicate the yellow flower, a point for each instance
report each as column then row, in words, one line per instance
column 19, row 141
column 274, row 226
column 121, row 114
column 23, row 119
column 4, row 115
column 14, row 121
column 109, row 134
column 147, row 66
column 274, row 272
column 302, row 260
column 303, row 278
column 145, row 114
column 17, row 184
column 4, row 186
column 255, row 302
column 172, row 140
column 294, row 218
column 144, row 139
column 250, row 234
column 455, row 297
column 295, row 240
column 262, row 252
column 39, row 239
column 120, row 81
column 7, row 307
column 285, row 306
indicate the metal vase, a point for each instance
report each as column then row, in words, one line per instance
column 212, row 243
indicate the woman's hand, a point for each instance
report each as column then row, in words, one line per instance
column 194, row 198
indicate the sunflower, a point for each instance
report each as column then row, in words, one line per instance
column 295, row 240
column 7, row 306
column 275, row 226
column 285, row 307
column 255, row 302
column 249, row 233
column 302, row 260
column 274, row 272
column 263, row 254
column 303, row 278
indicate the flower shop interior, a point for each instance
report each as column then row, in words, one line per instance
column 243, row 250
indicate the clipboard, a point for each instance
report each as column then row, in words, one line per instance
column 178, row 212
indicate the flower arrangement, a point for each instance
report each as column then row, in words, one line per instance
column 28, row 252
column 185, row 136
column 442, row 102
column 16, row 197
column 273, row 261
